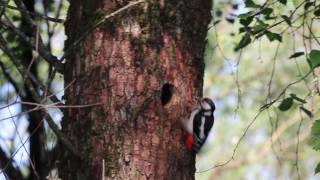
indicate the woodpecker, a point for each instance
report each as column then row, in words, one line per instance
column 199, row 125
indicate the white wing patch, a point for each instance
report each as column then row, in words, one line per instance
column 203, row 119
column 189, row 124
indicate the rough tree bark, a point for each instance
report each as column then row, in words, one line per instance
column 145, row 66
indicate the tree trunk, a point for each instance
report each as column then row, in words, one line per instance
column 145, row 67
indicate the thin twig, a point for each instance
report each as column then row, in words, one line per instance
column 55, row 105
column 263, row 108
column 3, row 169
column 56, row 20
column 297, row 146
column 22, row 70
column 30, row 41
column 237, row 145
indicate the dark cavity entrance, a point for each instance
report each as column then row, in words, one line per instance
column 166, row 93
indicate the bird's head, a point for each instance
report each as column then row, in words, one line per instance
column 207, row 104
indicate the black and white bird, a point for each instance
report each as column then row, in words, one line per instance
column 199, row 125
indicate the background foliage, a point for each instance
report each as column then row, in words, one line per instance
column 262, row 70
column 262, row 62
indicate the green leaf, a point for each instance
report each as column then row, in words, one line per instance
column 267, row 12
column 251, row 4
column 260, row 26
column 286, row 19
column 308, row 5
column 296, row 54
column 273, row 36
column 317, row 12
column 315, row 135
column 314, row 59
column 317, row 170
column 216, row 22
column 230, row 20
column 286, row 104
column 246, row 40
column 243, row 29
column 307, row 112
column 245, row 15
column 246, row 21
column 284, row 2
column 295, row 97
column 219, row 13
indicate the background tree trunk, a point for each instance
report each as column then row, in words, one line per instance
column 38, row 168
column 145, row 66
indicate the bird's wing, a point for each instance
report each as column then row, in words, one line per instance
column 188, row 124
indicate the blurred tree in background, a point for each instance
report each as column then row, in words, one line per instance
column 262, row 61
column 30, row 42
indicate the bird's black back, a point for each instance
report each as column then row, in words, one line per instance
column 208, row 123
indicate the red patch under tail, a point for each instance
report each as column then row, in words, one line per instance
column 189, row 142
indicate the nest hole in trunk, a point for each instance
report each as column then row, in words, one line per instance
column 166, row 93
